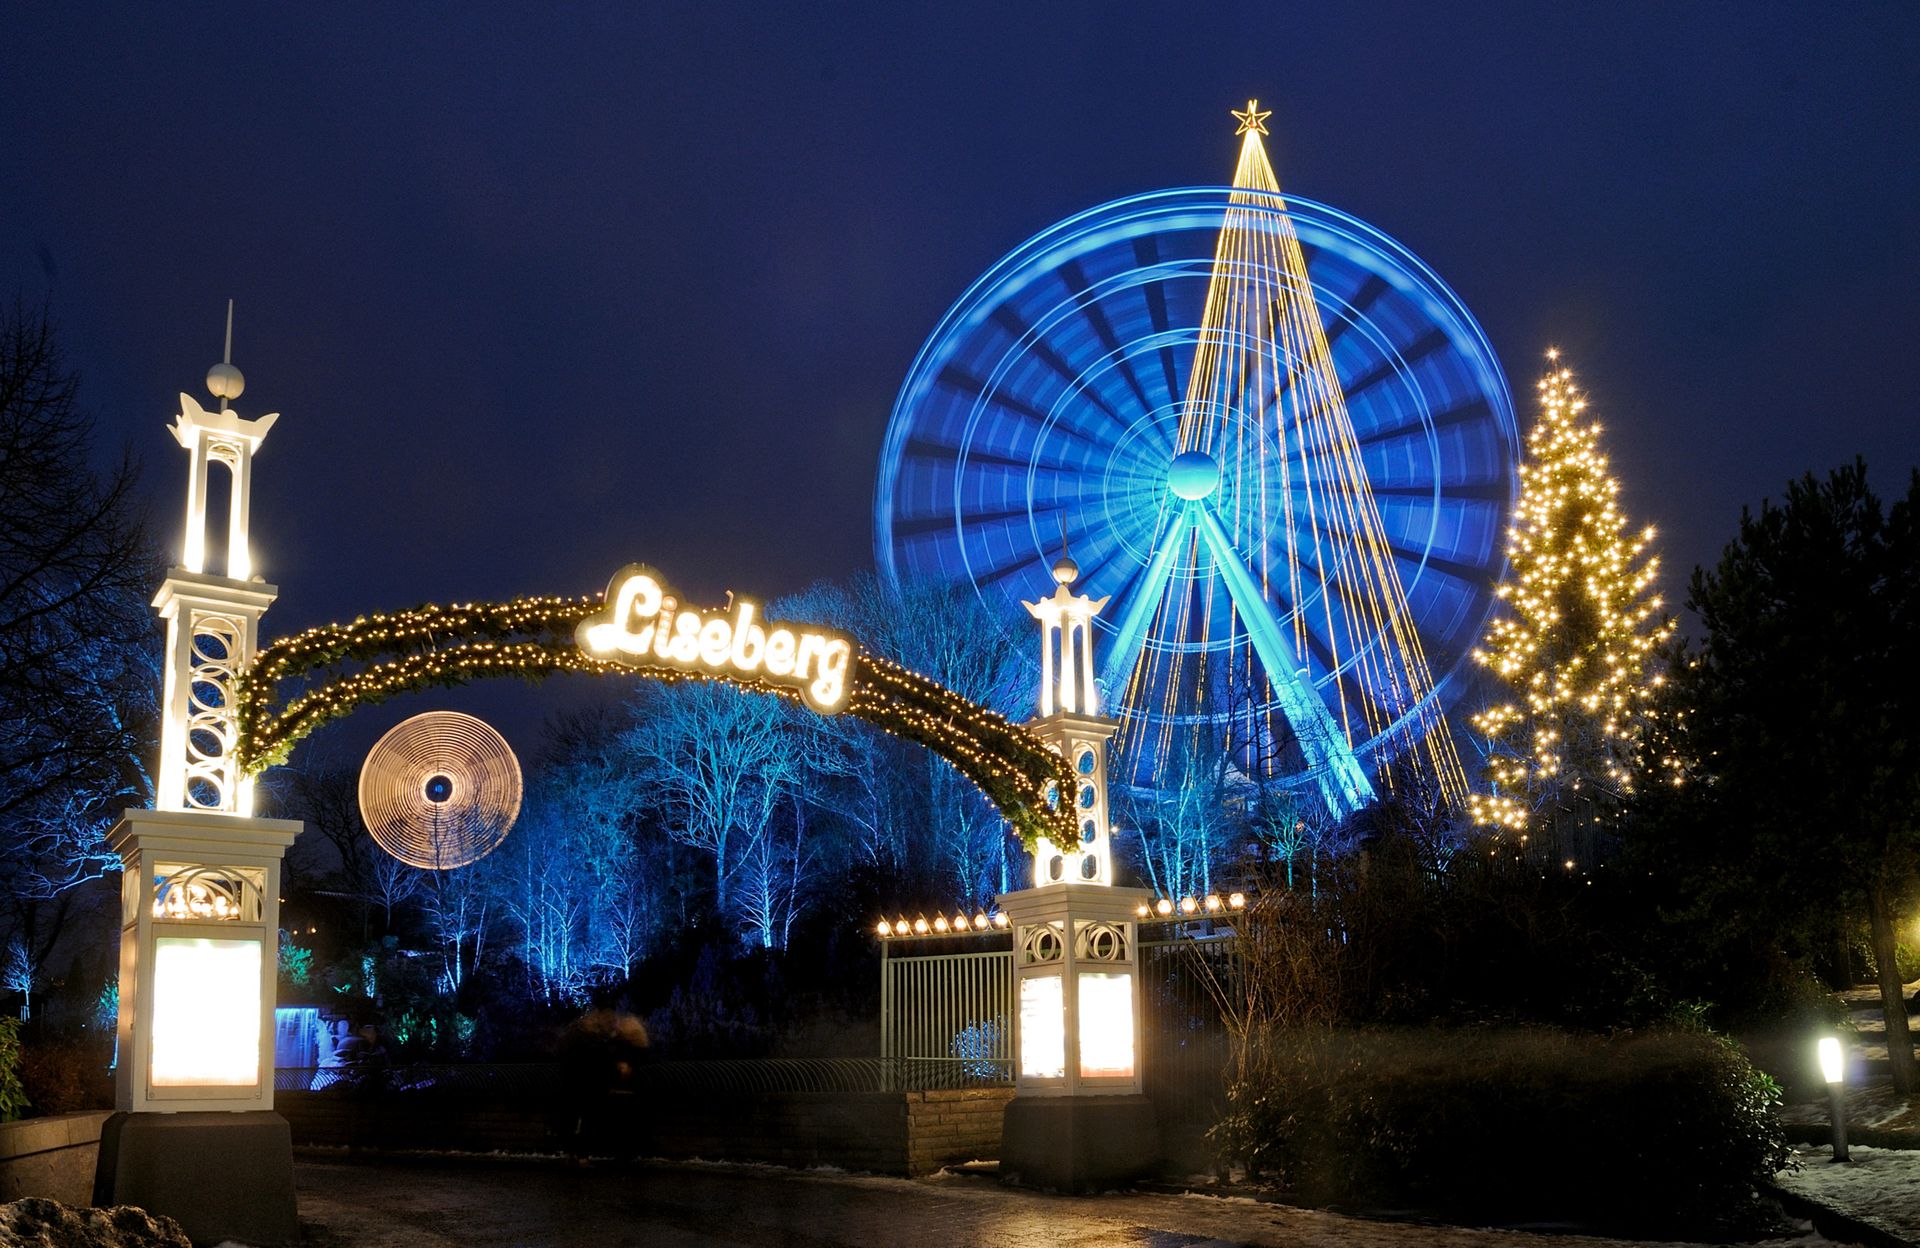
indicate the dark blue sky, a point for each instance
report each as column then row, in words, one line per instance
column 539, row 293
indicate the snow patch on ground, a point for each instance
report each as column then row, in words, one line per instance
column 1880, row 1186
column 1222, row 1200
column 1876, row 1107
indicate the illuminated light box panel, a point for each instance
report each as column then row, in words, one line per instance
column 206, row 1012
column 199, row 916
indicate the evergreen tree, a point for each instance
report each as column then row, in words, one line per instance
column 1802, row 797
column 1573, row 643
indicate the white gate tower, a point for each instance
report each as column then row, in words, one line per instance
column 1078, row 1119
column 195, row 1136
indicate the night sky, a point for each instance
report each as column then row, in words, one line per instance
column 540, row 293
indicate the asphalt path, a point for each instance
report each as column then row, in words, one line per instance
column 538, row 1203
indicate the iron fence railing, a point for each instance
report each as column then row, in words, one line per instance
column 760, row 1076
column 1185, row 1046
column 499, row 1078
column 952, row 1008
column 717, row 1077
column 945, row 1022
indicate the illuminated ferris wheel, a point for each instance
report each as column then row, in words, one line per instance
column 1271, row 435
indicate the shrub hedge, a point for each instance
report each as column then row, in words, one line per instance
column 1665, row 1131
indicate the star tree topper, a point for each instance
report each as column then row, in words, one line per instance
column 1253, row 118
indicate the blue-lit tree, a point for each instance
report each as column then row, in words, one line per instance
column 78, row 654
column 1182, row 827
column 18, row 973
column 596, row 792
column 699, row 751
column 537, row 876
column 457, row 905
column 905, row 805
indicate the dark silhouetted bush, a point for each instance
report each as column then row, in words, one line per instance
column 1664, row 1131
column 62, row 1075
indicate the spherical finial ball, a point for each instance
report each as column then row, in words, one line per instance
column 1064, row 570
column 1193, row 475
column 225, row 382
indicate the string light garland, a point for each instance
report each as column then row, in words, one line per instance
column 1580, row 627
column 435, row 646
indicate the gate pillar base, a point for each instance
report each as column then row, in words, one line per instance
column 222, row 1176
column 1078, row 1143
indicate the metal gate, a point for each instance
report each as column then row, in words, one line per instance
column 1185, row 1046
column 946, row 1019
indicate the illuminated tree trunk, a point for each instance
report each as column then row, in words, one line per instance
column 1893, row 1000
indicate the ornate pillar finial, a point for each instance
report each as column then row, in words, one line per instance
column 212, row 616
column 1070, row 721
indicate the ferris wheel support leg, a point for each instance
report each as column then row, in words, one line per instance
column 1145, row 597
column 1344, row 781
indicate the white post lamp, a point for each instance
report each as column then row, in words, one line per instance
column 196, row 1137
column 1833, row 1069
column 1078, row 1120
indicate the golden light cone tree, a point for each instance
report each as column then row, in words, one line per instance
column 1573, row 641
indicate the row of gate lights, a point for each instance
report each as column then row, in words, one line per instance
column 960, row 924
column 1212, row 903
column 940, row 925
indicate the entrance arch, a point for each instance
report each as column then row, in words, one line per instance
column 301, row 682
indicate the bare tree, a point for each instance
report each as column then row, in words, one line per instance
column 79, row 655
column 392, row 884
column 326, row 797
column 599, row 798
column 780, row 860
column 77, row 645
column 18, row 973
column 457, row 904
column 701, row 750
column 537, row 877
column 945, row 632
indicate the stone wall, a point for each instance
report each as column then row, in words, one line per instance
column 419, row 1120
column 909, row 1133
column 51, row 1157
column 947, row 1128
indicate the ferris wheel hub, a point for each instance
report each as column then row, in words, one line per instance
column 1193, row 475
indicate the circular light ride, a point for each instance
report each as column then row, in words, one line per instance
column 440, row 790
column 1269, row 432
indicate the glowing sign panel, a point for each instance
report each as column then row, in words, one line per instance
column 645, row 625
column 1106, row 1024
column 1043, row 1028
column 206, row 1012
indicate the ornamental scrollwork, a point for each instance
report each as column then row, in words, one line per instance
column 1100, row 942
column 1041, row 943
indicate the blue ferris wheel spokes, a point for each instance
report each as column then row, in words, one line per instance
column 1052, row 394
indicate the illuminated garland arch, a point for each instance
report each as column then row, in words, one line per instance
column 373, row 658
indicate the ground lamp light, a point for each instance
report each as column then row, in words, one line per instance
column 1833, row 1068
column 195, row 1136
column 1078, row 1120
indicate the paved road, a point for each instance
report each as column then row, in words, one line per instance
column 481, row 1203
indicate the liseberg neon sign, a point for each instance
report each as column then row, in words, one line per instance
column 644, row 624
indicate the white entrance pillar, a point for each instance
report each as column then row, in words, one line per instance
column 1078, row 1120
column 196, row 1137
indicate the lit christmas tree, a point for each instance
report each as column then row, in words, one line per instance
column 1575, row 640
